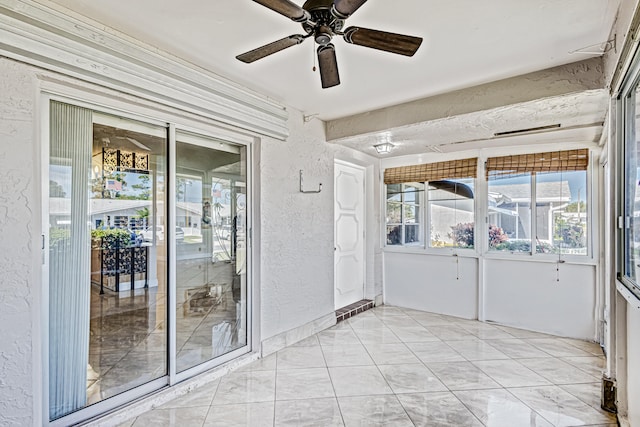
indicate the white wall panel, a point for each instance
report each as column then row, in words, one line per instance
column 633, row 365
column 432, row 283
column 527, row 295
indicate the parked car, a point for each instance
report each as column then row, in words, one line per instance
column 147, row 234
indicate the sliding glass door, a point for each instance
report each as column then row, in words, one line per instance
column 113, row 238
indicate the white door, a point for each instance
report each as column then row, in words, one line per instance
column 349, row 228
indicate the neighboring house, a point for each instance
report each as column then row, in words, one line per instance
column 510, row 207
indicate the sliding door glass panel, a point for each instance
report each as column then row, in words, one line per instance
column 211, row 241
column 107, row 272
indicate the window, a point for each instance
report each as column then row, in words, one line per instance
column 451, row 213
column 555, row 184
column 630, row 184
column 561, row 212
column 509, row 212
column 404, row 219
column 449, row 200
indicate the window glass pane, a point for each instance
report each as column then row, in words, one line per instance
column 410, row 214
column 394, row 213
column 412, row 192
column 632, row 195
column 412, row 234
column 561, row 212
column 394, row 192
column 509, row 213
column 394, row 235
column 403, row 216
column 451, row 213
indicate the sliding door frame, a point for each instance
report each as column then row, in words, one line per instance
column 172, row 119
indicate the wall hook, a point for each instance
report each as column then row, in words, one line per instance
column 310, row 191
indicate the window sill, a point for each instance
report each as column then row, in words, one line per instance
column 469, row 253
column 547, row 259
column 631, row 298
column 463, row 253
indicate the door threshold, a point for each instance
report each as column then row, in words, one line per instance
column 353, row 309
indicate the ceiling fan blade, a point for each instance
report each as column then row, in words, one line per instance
column 381, row 40
column 328, row 66
column 344, row 8
column 286, row 8
column 271, row 48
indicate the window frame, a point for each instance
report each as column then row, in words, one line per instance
column 420, row 207
column 574, row 258
column 625, row 132
column 452, row 249
column 481, row 215
column 425, row 234
column 532, row 224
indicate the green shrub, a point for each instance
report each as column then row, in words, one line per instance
column 110, row 238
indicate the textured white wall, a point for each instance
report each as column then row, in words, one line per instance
column 19, row 251
column 297, row 240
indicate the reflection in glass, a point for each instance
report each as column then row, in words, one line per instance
column 107, row 285
column 211, row 219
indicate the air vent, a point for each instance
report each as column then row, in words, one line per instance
column 434, row 148
column 530, row 130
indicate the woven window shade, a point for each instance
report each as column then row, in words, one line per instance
column 464, row 168
column 555, row 161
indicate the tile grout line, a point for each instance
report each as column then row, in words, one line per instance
column 439, row 379
column 206, row 416
column 385, row 378
column 331, row 381
column 275, row 390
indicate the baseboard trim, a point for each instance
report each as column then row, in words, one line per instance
column 292, row 336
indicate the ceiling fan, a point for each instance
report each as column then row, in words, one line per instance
column 323, row 19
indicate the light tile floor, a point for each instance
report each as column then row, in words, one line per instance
column 399, row 367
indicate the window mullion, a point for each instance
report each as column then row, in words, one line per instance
column 533, row 215
column 426, row 232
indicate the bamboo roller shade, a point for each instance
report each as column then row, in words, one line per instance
column 554, row 161
column 464, row 168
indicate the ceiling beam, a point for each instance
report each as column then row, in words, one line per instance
column 571, row 78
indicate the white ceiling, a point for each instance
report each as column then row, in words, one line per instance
column 466, row 42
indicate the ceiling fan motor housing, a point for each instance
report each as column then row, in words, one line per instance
column 323, row 23
column 323, row 35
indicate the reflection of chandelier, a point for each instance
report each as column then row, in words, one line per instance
column 124, row 161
